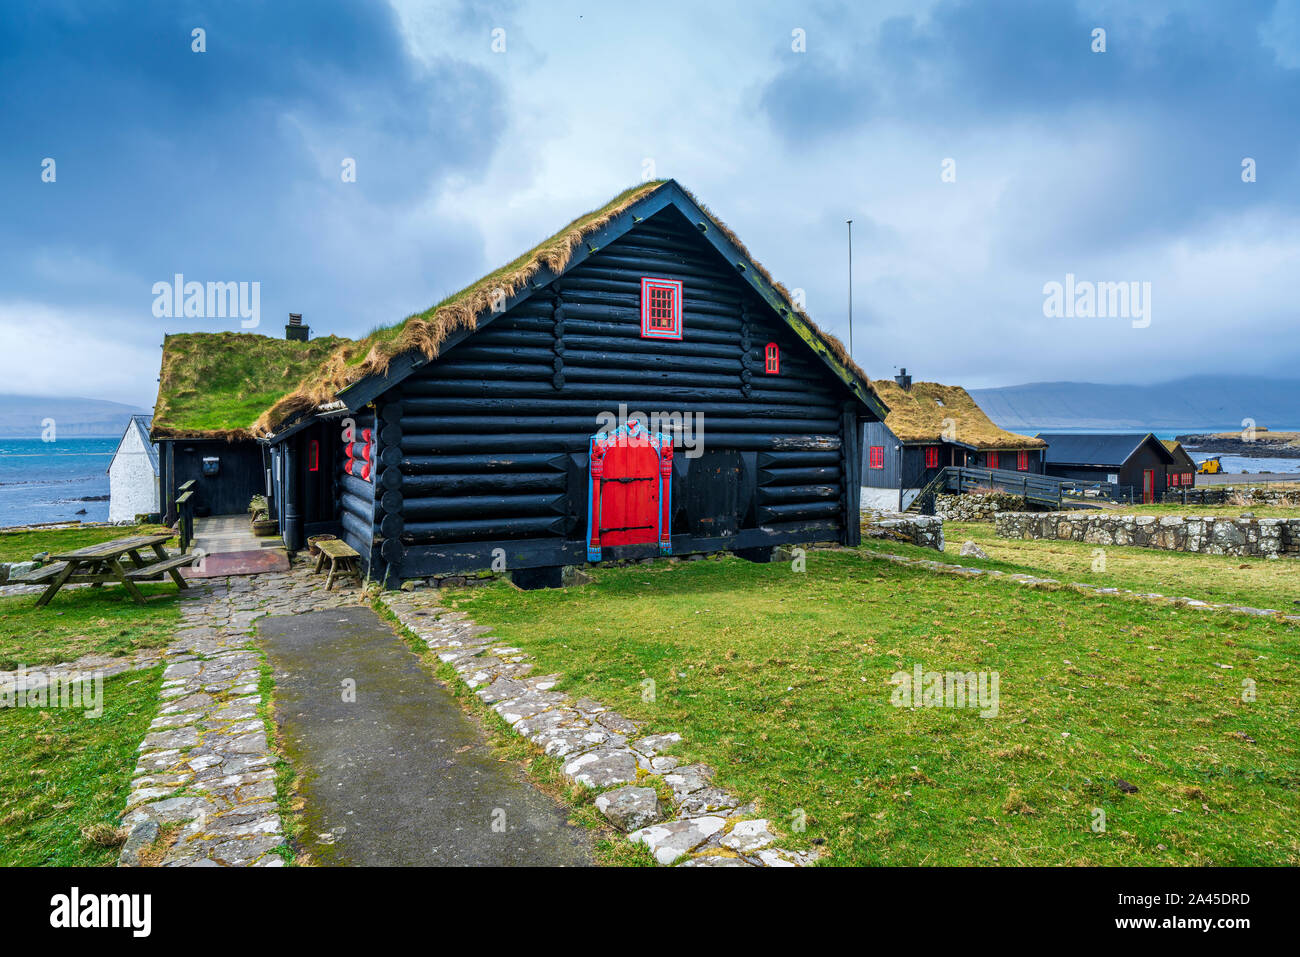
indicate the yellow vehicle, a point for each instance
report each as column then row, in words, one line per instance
column 1210, row 467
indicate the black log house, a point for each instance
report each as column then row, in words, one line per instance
column 489, row 428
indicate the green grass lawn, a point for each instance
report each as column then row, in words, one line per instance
column 62, row 773
column 81, row 621
column 1227, row 511
column 1257, row 582
column 781, row 681
column 21, row 546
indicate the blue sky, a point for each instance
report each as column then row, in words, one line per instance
column 225, row 166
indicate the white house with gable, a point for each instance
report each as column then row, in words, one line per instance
column 133, row 473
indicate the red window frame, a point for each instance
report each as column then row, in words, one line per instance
column 1022, row 461
column 932, row 456
column 993, row 460
column 876, row 457
column 772, row 359
column 313, row 455
column 661, row 300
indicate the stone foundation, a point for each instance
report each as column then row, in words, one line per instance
column 923, row 530
column 977, row 506
column 1208, row 535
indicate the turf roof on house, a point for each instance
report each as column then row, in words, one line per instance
column 216, row 384
column 425, row 332
column 923, row 412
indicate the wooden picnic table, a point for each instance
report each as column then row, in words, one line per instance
column 107, row 562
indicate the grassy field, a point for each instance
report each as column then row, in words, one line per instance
column 1229, row 511
column 82, row 621
column 1219, row 578
column 781, row 681
column 21, row 546
column 64, row 776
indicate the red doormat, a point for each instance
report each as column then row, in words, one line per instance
column 251, row 562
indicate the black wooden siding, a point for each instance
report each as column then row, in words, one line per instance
column 487, row 446
column 905, row 464
column 242, row 474
column 356, row 495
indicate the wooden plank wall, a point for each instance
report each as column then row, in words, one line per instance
column 487, row 445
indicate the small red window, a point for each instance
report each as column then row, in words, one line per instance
column 993, row 460
column 1022, row 461
column 661, row 308
column 313, row 456
column 932, row 456
column 877, row 460
column 773, row 358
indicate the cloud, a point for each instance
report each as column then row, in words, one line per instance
column 226, row 165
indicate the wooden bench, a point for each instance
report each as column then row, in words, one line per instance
column 343, row 560
column 154, row 571
column 38, row 575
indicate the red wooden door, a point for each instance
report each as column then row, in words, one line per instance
column 1148, row 485
column 629, row 494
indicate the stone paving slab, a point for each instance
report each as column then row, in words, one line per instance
column 705, row 826
column 206, row 764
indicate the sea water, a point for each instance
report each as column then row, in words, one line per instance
column 50, row 481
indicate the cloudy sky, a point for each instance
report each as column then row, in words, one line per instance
column 478, row 128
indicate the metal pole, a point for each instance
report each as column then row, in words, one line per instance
column 850, row 222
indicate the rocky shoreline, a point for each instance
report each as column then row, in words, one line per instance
column 1265, row 445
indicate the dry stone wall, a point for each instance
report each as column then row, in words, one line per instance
column 1209, row 535
column 923, row 530
column 976, row 506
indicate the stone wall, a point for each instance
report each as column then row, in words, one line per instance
column 977, row 506
column 923, row 530
column 1263, row 494
column 1209, row 535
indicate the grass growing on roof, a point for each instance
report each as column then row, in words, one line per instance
column 215, row 384
column 780, row 681
column 927, row 411
column 426, row 331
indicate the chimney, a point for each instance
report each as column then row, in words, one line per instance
column 295, row 330
column 903, row 379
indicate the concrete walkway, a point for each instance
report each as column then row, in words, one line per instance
column 394, row 771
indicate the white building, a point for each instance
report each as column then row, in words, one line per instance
column 133, row 473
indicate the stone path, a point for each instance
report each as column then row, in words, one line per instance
column 1033, row 581
column 394, row 772
column 600, row 748
column 206, row 765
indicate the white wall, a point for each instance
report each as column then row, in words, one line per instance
column 888, row 499
column 132, row 485
column 881, row 499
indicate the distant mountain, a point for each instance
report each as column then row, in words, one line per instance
column 1194, row 403
column 21, row 416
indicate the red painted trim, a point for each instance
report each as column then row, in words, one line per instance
column 674, row 289
column 313, row 455
column 772, row 359
column 877, row 457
